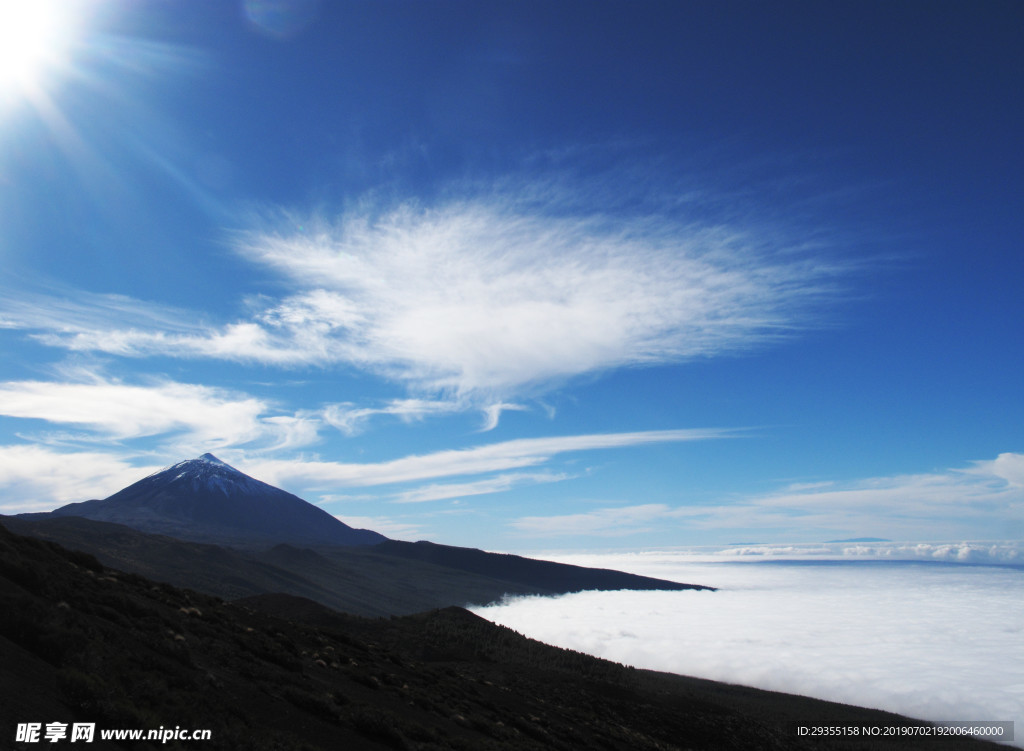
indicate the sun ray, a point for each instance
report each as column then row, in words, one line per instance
column 35, row 38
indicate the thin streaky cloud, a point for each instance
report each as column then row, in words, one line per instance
column 499, row 484
column 978, row 487
column 351, row 419
column 495, row 457
column 986, row 497
column 492, row 414
column 396, row 529
column 605, row 522
column 66, row 312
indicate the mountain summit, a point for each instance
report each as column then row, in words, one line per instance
column 206, row 500
column 356, row 571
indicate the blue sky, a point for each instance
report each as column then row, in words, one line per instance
column 523, row 275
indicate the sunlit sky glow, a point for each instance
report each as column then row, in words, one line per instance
column 33, row 36
column 522, row 276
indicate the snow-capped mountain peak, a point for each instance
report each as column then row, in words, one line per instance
column 206, row 499
column 209, row 472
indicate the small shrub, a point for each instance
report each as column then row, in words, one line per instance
column 379, row 725
column 320, row 706
column 84, row 560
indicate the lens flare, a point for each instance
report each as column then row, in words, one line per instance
column 35, row 40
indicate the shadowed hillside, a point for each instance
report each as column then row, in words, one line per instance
column 203, row 524
column 83, row 643
column 389, row 579
column 530, row 572
column 206, row 500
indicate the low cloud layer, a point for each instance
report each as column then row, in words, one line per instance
column 936, row 643
column 664, row 564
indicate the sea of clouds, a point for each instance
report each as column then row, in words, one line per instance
column 929, row 630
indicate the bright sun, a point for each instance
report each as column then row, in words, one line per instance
column 34, row 37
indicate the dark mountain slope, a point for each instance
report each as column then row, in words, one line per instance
column 83, row 643
column 206, row 500
column 358, row 580
column 278, row 542
column 530, row 572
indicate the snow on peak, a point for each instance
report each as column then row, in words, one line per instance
column 210, row 472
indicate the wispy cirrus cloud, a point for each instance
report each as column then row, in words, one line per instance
column 495, row 457
column 985, row 496
column 40, row 477
column 492, row 414
column 351, row 419
column 59, row 315
column 396, row 529
column 603, row 522
column 482, row 298
column 983, row 500
column 498, row 484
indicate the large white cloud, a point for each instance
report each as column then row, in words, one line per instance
column 475, row 296
column 1008, row 467
column 158, row 417
column 481, row 298
column 39, row 478
column 118, row 410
